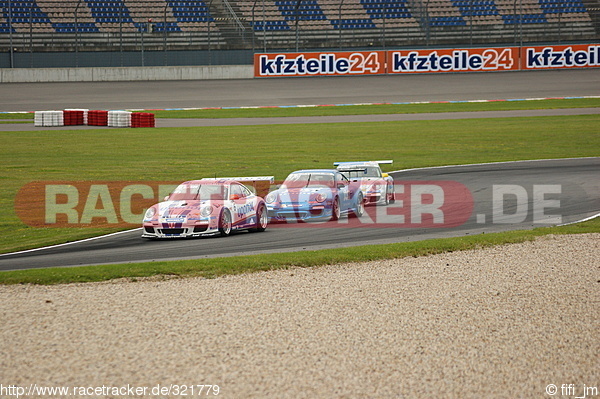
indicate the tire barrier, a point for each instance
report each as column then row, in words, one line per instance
column 142, row 119
column 82, row 117
column 97, row 118
column 119, row 118
column 73, row 117
column 48, row 118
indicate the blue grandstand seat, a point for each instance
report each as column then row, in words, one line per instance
column 308, row 10
column 109, row 12
column 475, row 7
column 353, row 24
column 525, row 19
column 5, row 28
column 190, row 11
column 386, row 8
column 560, row 6
column 70, row 27
column 169, row 27
column 270, row 25
column 447, row 21
column 23, row 12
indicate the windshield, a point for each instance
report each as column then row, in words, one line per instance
column 194, row 192
column 370, row 171
column 300, row 180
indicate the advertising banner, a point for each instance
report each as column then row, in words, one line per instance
column 453, row 60
column 426, row 61
column 319, row 64
column 560, row 57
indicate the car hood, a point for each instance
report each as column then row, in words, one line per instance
column 367, row 182
column 302, row 194
column 367, row 179
column 180, row 209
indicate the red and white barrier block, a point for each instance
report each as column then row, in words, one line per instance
column 75, row 117
column 143, row 119
column 119, row 119
column 98, row 118
column 48, row 118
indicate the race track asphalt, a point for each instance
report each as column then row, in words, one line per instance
column 299, row 91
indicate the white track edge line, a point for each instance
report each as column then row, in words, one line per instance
column 70, row 243
column 579, row 221
column 489, row 163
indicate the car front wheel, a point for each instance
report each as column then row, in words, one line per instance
column 225, row 223
column 360, row 207
column 335, row 211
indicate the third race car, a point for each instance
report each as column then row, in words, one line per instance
column 378, row 187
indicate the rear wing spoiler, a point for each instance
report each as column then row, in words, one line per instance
column 384, row 162
column 352, row 169
column 270, row 179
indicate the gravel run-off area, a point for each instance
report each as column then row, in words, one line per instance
column 513, row 321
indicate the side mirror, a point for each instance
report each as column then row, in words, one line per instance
column 385, row 175
column 166, row 198
column 235, row 197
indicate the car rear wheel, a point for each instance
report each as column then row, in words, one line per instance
column 225, row 223
column 335, row 211
column 391, row 195
column 262, row 218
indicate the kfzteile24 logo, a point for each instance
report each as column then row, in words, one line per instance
column 580, row 56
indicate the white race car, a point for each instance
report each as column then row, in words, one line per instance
column 378, row 187
column 207, row 207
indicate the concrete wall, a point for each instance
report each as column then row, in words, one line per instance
column 15, row 75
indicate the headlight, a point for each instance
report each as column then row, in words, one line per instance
column 150, row 212
column 206, row 211
column 271, row 197
column 320, row 197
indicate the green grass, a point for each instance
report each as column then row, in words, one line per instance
column 16, row 115
column 210, row 268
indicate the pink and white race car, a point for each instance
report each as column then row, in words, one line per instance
column 207, row 207
column 378, row 187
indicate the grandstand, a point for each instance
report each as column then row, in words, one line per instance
column 263, row 25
